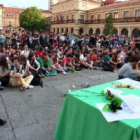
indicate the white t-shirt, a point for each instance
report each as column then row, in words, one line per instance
column 126, row 69
column 82, row 57
column 25, row 53
column 35, row 61
column 62, row 38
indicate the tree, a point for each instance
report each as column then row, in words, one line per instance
column 108, row 28
column 32, row 19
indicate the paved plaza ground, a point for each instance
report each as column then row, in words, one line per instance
column 32, row 115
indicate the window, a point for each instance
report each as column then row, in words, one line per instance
column 99, row 16
column 67, row 17
column 82, row 17
column 54, row 19
column 106, row 15
column 116, row 15
column 9, row 22
column 126, row 14
column 72, row 17
column 137, row 13
column 92, row 17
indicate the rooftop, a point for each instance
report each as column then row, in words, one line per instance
column 46, row 11
column 116, row 4
column 13, row 10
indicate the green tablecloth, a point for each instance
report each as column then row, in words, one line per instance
column 81, row 120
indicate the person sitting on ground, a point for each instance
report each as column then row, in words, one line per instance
column 76, row 62
column 86, row 63
column 17, row 74
column 66, row 63
column 127, row 58
column 5, row 68
column 93, row 56
column 39, row 53
column 121, row 57
column 45, row 65
column 12, row 57
column 106, row 62
column 126, row 70
column 115, row 62
column 55, row 63
column 33, row 64
column 137, row 71
column 23, row 62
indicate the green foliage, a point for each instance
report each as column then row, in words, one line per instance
column 32, row 19
column 108, row 28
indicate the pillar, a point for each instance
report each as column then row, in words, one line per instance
column 119, row 31
column 101, row 30
column 129, row 32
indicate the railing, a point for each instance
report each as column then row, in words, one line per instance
column 63, row 21
column 99, row 21
column 115, row 20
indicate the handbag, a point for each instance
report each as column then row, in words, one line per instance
column 52, row 72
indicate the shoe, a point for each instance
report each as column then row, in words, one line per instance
column 86, row 85
column 64, row 72
column 41, row 75
column 41, row 83
column 95, row 68
column 30, row 87
column 90, row 68
column 22, row 88
column 2, row 122
column 1, row 88
column 72, row 71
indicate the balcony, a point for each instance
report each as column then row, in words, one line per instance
column 82, row 21
column 117, row 20
column 64, row 21
column 99, row 21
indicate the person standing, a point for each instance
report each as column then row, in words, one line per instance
column 29, row 40
column 8, row 38
column 19, row 37
column 35, row 37
column 2, row 39
column 26, row 51
column 24, row 37
column 43, row 40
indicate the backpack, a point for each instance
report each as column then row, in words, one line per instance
column 107, row 67
column 36, row 80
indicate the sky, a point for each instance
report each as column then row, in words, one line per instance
column 41, row 4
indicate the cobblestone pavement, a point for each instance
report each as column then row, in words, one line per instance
column 32, row 115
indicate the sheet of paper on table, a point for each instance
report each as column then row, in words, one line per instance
column 132, row 101
column 128, row 81
column 116, row 92
column 126, row 113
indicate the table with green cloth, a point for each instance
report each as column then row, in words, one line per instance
column 80, row 119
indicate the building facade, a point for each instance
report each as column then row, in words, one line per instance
column 1, row 9
column 10, row 17
column 88, row 17
column 47, row 14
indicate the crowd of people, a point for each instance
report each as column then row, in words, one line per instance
column 27, row 57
